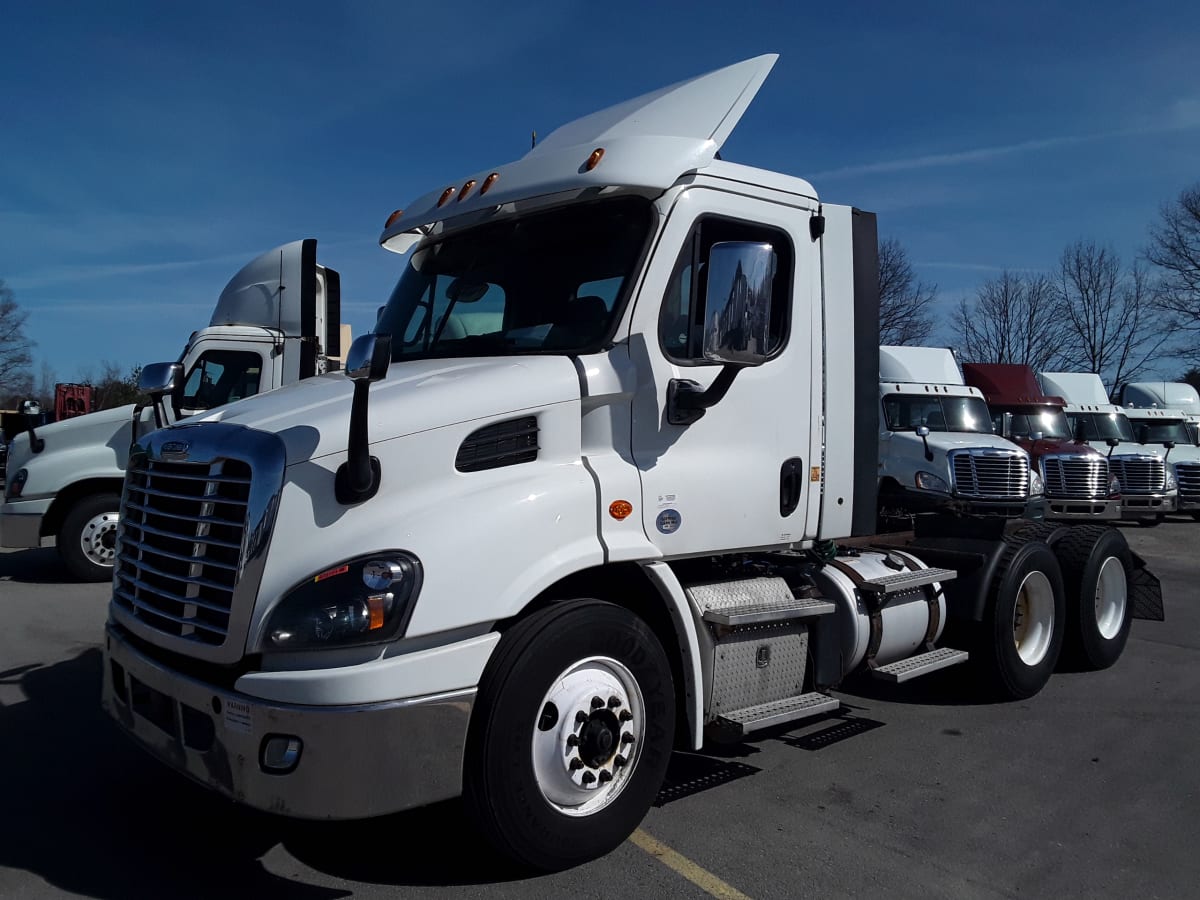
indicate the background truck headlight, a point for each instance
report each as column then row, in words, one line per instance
column 365, row 600
column 930, row 482
column 1171, row 483
column 1036, row 486
column 1114, row 486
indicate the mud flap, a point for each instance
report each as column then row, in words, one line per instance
column 1145, row 592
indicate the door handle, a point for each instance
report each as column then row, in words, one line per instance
column 790, row 485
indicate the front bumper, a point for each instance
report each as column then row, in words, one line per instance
column 1147, row 506
column 1189, row 503
column 1077, row 510
column 916, row 501
column 355, row 761
column 21, row 523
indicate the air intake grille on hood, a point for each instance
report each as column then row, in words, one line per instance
column 502, row 444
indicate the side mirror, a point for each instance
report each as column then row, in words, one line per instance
column 1006, row 428
column 1080, row 432
column 922, row 431
column 1113, row 442
column 737, row 312
column 158, row 379
column 358, row 477
column 1037, row 435
column 1143, row 434
column 31, row 409
column 369, row 357
column 1170, row 445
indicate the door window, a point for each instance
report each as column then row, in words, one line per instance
column 220, row 377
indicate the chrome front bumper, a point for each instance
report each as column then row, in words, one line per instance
column 1147, row 506
column 354, row 761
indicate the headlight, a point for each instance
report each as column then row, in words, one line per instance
column 930, row 482
column 1171, row 483
column 16, row 484
column 366, row 600
column 1114, row 486
column 1036, row 486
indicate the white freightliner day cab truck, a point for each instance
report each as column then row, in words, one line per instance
column 574, row 506
column 276, row 322
column 937, row 450
column 1148, row 487
column 1170, row 411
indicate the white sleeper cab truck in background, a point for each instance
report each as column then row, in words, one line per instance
column 1170, row 411
column 936, row 446
column 601, row 484
column 276, row 322
column 1148, row 487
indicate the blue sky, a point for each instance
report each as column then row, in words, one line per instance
column 148, row 150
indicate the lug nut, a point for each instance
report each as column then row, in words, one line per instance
column 619, row 761
column 580, row 717
column 614, row 702
column 572, row 740
column 576, row 764
column 626, row 738
column 625, row 715
column 597, row 703
column 588, row 778
column 605, row 776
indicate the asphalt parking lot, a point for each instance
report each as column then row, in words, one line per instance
column 1089, row 789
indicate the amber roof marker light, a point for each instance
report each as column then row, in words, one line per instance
column 446, row 195
column 393, row 218
column 488, row 182
column 594, row 159
column 466, row 189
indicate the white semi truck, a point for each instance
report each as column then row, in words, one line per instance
column 601, row 484
column 276, row 322
column 1170, row 411
column 937, row 449
column 1149, row 489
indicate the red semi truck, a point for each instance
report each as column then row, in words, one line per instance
column 1077, row 481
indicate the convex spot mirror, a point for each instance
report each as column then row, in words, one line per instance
column 737, row 312
column 31, row 408
column 369, row 357
column 922, row 431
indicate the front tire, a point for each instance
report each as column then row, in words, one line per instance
column 88, row 537
column 1096, row 565
column 1022, row 631
column 571, row 734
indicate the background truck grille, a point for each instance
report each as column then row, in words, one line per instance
column 181, row 546
column 1139, row 476
column 994, row 476
column 1188, row 474
column 1075, row 477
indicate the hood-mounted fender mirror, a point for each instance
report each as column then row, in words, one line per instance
column 1113, row 444
column 30, row 410
column 923, row 434
column 1080, row 432
column 358, row 477
column 157, row 380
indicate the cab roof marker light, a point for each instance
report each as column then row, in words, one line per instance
column 393, row 218
column 594, row 159
column 466, row 189
column 488, row 182
column 446, row 195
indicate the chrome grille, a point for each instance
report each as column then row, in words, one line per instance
column 1139, row 474
column 1188, row 475
column 181, row 536
column 1075, row 476
column 990, row 474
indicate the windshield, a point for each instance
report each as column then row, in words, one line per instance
column 551, row 281
column 1102, row 426
column 1164, row 430
column 904, row 412
column 1052, row 423
column 220, row 377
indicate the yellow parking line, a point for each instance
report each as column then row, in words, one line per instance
column 702, row 878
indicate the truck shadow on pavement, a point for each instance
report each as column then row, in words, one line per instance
column 90, row 813
column 32, row 566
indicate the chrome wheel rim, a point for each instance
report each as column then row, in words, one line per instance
column 1033, row 618
column 98, row 539
column 1112, row 593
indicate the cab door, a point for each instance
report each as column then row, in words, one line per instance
column 737, row 477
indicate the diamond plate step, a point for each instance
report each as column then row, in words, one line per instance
column 921, row 664
column 777, row 712
column 906, row 581
column 756, row 613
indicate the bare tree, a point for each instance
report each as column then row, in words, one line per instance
column 904, row 302
column 1013, row 318
column 1175, row 248
column 14, row 345
column 1114, row 328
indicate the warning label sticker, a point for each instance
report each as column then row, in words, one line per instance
column 237, row 717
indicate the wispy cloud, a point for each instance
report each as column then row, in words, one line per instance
column 967, row 267
column 1181, row 116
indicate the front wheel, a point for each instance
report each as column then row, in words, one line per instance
column 1022, row 630
column 87, row 540
column 571, row 734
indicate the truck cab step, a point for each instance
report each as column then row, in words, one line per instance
column 906, row 581
column 921, row 664
column 777, row 712
column 760, row 613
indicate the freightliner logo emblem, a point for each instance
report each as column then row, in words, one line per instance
column 175, row 450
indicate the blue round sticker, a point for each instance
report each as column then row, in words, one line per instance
column 668, row 521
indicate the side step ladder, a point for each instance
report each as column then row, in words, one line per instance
column 921, row 664
column 741, row 722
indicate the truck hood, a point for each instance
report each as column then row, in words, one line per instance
column 92, row 429
column 1055, row 447
column 946, row 441
column 313, row 416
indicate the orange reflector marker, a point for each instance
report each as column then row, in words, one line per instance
column 392, row 218
column 340, row 570
column 488, row 182
column 620, row 509
column 466, row 189
column 814, row 474
column 594, row 159
column 375, row 609
column 446, row 195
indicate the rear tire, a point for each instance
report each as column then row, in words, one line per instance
column 552, row 777
column 88, row 535
column 1096, row 565
column 1022, row 629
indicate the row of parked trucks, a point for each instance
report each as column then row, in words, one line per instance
column 601, row 484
